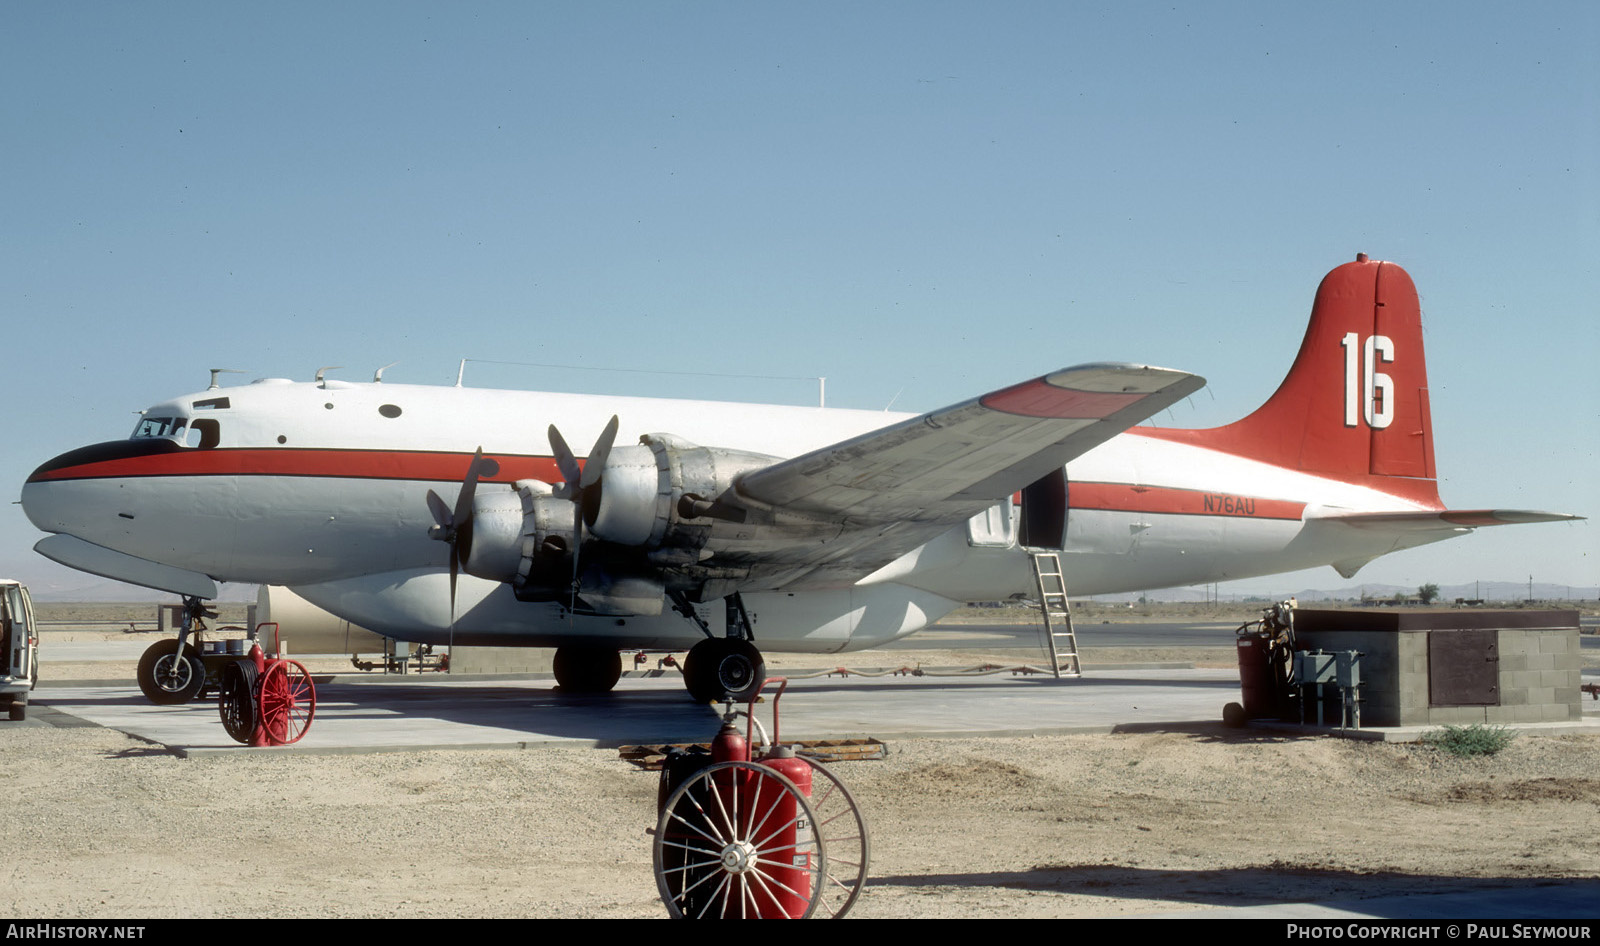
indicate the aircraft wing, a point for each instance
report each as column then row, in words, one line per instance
column 840, row 513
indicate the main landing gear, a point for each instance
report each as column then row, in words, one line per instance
column 582, row 669
column 716, row 670
column 723, row 669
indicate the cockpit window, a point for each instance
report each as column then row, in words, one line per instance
column 160, row 427
column 202, row 433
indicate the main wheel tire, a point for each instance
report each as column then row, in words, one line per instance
column 236, row 700
column 587, row 669
column 722, row 848
column 168, row 679
column 724, row 669
column 19, row 709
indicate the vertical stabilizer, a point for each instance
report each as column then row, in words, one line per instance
column 1354, row 405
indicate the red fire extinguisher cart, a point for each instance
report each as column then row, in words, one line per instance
column 746, row 834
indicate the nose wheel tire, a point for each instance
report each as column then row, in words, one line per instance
column 724, row 669
column 167, row 678
column 736, row 841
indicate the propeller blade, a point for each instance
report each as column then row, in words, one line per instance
column 469, row 487
column 455, row 570
column 577, row 546
column 440, row 512
column 597, row 456
column 577, row 482
column 453, row 526
column 565, row 461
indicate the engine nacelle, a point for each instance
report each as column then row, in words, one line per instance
column 653, row 507
column 521, row 535
column 656, row 495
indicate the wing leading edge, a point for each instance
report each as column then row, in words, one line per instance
column 852, row 507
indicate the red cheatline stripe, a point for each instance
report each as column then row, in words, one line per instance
column 1184, row 502
column 1038, row 398
column 355, row 464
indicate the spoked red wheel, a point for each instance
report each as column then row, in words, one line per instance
column 844, row 831
column 736, row 841
column 288, row 702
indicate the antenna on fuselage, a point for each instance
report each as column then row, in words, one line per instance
column 377, row 376
column 324, row 370
column 216, row 371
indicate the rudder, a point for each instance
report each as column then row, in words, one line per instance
column 1354, row 405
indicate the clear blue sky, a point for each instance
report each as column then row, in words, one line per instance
column 920, row 201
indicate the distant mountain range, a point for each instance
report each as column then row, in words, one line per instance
column 87, row 588
column 1485, row 590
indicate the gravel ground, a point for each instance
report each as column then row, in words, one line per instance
column 1194, row 817
column 1015, row 827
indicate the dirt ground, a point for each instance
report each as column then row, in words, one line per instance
column 1190, row 817
column 1054, row 826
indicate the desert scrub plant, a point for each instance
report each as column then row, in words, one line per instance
column 1471, row 740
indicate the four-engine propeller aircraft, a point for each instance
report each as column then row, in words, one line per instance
column 725, row 526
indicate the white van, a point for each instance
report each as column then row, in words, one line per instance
column 19, row 648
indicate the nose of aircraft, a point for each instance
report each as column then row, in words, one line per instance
column 53, row 495
column 44, row 494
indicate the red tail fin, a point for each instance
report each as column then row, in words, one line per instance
column 1355, row 404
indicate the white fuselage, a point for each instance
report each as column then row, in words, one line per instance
column 322, row 488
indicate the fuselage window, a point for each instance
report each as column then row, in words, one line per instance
column 204, row 434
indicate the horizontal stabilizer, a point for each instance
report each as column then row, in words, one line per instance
column 1440, row 519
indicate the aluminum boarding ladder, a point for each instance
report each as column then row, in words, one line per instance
column 1059, row 638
